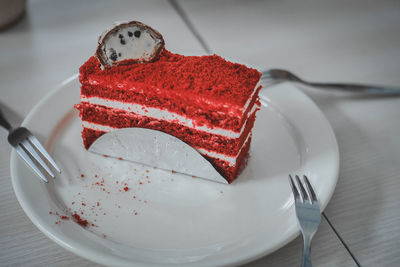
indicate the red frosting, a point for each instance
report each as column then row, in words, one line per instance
column 206, row 81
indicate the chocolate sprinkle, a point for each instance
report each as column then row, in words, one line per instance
column 120, row 36
column 122, row 41
column 113, row 56
column 130, row 34
column 137, row 34
column 119, row 54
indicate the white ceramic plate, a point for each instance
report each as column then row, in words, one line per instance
column 167, row 218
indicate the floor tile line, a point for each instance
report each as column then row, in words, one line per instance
column 178, row 8
column 341, row 240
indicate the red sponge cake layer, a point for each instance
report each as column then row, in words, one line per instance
column 115, row 119
column 206, row 101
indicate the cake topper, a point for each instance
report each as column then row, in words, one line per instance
column 127, row 43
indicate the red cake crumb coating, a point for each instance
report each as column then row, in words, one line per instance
column 207, row 90
column 222, row 83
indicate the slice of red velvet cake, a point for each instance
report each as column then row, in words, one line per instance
column 206, row 101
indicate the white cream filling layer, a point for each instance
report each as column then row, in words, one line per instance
column 230, row 159
column 251, row 97
column 165, row 115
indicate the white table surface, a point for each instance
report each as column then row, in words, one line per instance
column 353, row 41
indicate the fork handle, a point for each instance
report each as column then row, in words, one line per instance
column 357, row 88
column 306, row 262
column 4, row 122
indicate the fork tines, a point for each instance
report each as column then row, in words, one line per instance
column 28, row 148
column 304, row 193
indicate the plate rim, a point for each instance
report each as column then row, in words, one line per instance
column 98, row 258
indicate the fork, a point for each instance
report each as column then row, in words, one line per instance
column 307, row 212
column 27, row 147
column 280, row 75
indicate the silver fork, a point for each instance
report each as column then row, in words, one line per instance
column 279, row 75
column 27, row 146
column 307, row 212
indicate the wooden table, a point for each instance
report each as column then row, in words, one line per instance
column 351, row 41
